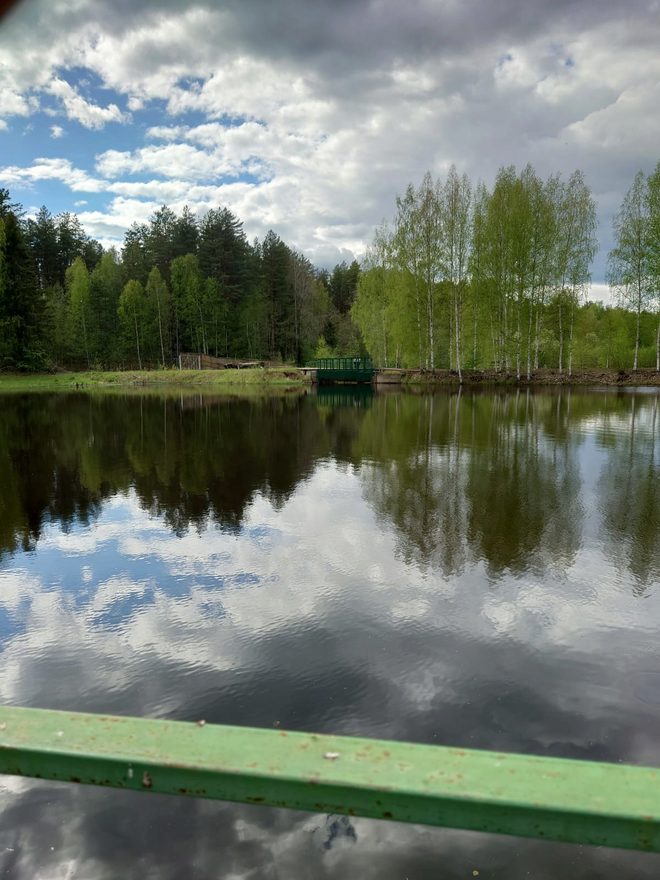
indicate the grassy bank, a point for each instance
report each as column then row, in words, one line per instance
column 276, row 377
column 262, row 378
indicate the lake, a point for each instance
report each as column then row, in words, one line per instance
column 478, row 569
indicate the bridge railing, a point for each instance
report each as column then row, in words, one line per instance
column 550, row 798
column 342, row 363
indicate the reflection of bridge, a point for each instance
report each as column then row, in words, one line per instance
column 359, row 396
column 342, row 369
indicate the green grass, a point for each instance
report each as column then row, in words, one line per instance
column 275, row 377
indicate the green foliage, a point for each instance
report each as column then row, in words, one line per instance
column 21, row 311
column 157, row 318
column 464, row 277
column 322, row 349
column 79, row 313
column 105, row 286
column 133, row 314
column 481, row 279
column 205, row 288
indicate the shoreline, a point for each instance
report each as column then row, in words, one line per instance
column 542, row 377
column 291, row 378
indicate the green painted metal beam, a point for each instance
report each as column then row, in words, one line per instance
column 576, row 801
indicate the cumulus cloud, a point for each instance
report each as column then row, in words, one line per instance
column 85, row 112
column 51, row 169
column 336, row 107
column 56, row 131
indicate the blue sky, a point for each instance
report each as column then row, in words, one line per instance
column 310, row 117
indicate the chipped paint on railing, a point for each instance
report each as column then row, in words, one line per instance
column 576, row 801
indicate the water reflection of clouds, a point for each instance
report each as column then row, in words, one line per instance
column 216, row 601
column 327, row 628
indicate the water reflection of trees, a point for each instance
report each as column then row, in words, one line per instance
column 189, row 460
column 491, row 476
column 629, row 492
column 496, row 476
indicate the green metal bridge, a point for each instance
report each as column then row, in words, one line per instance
column 343, row 369
column 550, row 798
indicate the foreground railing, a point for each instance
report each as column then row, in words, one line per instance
column 575, row 801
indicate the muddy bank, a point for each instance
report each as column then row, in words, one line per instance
column 644, row 376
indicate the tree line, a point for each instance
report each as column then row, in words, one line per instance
column 470, row 277
column 178, row 284
column 463, row 277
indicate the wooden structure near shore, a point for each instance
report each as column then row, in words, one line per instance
column 209, row 362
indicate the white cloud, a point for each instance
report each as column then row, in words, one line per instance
column 336, row 132
column 51, row 169
column 176, row 161
column 78, row 109
column 600, row 292
column 56, row 131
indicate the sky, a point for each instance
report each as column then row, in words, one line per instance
column 309, row 117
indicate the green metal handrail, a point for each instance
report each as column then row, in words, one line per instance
column 347, row 363
column 576, row 801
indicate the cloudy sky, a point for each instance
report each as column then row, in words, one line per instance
column 308, row 117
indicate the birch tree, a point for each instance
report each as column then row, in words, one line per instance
column 430, row 247
column 629, row 265
column 159, row 302
column 455, row 250
column 131, row 311
column 653, row 244
column 576, row 248
column 78, row 309
column 406, row 253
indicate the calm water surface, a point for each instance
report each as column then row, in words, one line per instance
column 479, row 569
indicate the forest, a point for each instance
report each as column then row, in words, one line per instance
column 466, row 277
column 463, row 277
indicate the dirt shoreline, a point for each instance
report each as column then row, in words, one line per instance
column 615, row 378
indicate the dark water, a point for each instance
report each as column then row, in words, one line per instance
column 481, row 570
